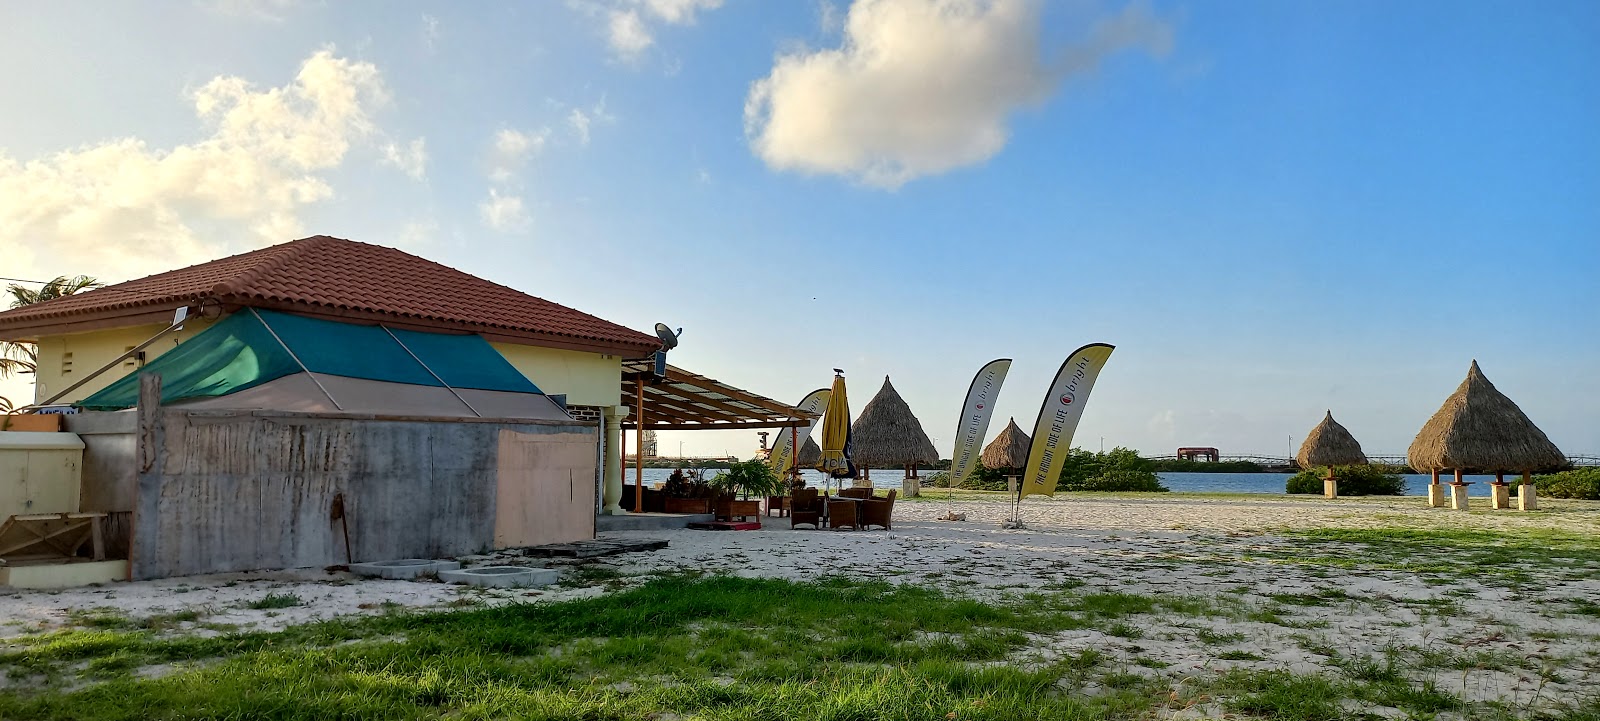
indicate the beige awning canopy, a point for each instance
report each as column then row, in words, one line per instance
column 685, row 401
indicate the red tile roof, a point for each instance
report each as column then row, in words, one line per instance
column 331, row 276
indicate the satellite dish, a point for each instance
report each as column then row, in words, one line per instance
column 669, row 339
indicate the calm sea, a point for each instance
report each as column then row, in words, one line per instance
column 1265, row 483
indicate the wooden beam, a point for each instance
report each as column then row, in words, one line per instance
column 740, row 413
column 710, row 426
column 683, row 376
column 670, row 411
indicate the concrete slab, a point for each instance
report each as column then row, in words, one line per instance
column 501, row 576
column 648, row 521
column 63, row 575
column 403, row 569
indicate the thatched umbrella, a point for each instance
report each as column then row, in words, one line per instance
column 1479, row 428
column 886, row 434
column 810, row 453
column 1008, row 451
column 1330, row 444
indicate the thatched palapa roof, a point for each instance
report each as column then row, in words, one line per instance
column 1329, row 444
column 1007, row 450
column 1479, row 428
column 887, row 435
column 810, row 453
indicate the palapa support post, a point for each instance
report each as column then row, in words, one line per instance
column 911, row 485
column 1458, row 492
column 1435, row 491
column 1527, row 494
column 1499, row 492
column 638, row 455
column 1330, row 485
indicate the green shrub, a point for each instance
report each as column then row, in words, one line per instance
column 984, row 478
column 937, row 479
column 1118, row 479
column 1353, row 481
column 1577, row 483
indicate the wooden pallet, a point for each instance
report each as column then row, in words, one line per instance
column 595, row 548
column 50, row 537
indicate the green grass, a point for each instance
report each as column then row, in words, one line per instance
column 275, row 600
column 1502, row 555
column 716, row 647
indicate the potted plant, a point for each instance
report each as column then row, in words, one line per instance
column 686, row 493
column 741, row 481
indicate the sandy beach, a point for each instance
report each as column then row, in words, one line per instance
column 1282, row 588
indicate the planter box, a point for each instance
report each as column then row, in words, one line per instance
column 46, row 422
column 685, row 505
column 739, row 509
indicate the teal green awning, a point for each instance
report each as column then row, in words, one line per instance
column 244, row 350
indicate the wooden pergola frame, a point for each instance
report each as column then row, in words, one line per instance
column 684, row 401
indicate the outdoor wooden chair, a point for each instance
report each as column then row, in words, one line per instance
column 842, row 514
column 876, row 511
column 805, row 506
column 855, row 493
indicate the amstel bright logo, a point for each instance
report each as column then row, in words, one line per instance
column 1067, row 399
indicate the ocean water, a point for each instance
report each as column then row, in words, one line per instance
column 1263, row 483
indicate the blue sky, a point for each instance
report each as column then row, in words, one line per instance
column 1271, row 208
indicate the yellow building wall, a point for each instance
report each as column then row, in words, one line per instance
column 588, row 379
column 67, row 359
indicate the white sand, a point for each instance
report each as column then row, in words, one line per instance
column 1189, row 546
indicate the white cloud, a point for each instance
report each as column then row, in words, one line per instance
column 411, row 159
column 504, row 213
column 580, row 125
column 628, row 34
column 120, row 208
column 679, row 12
column 918, row 88
column 582, row 121
column 512, row 148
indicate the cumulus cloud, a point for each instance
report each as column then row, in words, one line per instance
column 120, row 208
column 504, row 210
column 631, row 24
column 511, row 151
column 411, row 159
column 505, row 213
column 920, row 87
column 628, row 35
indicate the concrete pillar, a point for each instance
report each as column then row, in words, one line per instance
column 1499, row 495
column 1330, row 488
column 1011, row 485
column 1458, row 496
column 1436, row 495
column 910, row 487
column 1527, row 497
column 613, row 470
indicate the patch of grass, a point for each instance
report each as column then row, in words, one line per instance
column 1206, row 635
column 274, row 601
column 1280, row 695
column 1237, row 655
column 713, row 647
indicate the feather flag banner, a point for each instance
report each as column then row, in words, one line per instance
column 1059, row 416
column 975, row 414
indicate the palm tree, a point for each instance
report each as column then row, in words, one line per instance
column 23, row 358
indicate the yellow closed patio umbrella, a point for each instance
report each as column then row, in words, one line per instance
column 835, row 459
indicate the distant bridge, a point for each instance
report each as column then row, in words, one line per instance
column 1400, row 460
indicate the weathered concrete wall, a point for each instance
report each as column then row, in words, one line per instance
column 233, row 491
column 108, row 448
